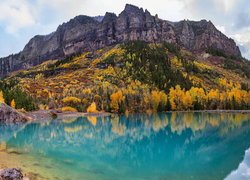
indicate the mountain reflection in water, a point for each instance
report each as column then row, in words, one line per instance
column 158, row 146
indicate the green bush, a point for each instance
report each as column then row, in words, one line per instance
column 12, row 91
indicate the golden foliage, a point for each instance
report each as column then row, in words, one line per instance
column 43, row 107
column 187, row 101
column 176, row 96
column 213, row 94
column 71, row 99
column 92, row 120
column 13, row 104
column 68, row 109
column 92, row 108
column 69, row 121
column 1, row 97
column 86, row 91
column 198, row 95
column 116, row 100
column 109, row 87
column 158, row 97
column 73, row 130
column 39, row 76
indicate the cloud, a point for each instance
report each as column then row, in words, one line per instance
column 243, row 20
column 30, row 17
column 15, row 15
column 243, row 171
column 221, row 28
column 62, row 8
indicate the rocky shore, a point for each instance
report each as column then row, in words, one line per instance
column 10, row 115
column 57, row 114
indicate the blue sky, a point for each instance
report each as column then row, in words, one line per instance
column 20, row 20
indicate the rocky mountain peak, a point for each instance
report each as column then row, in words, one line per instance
column 84, row 33
column 109, row 17
column 98, row 18
column 131, row 9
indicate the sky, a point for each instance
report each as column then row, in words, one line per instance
column 20, row 20
column 243, row 171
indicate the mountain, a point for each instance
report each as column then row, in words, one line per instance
column 84, row 34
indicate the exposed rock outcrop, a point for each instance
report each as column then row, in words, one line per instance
column 10, row 115
column 85, row 33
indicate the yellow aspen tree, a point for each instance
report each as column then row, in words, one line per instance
column 155, row 100
column 176, row 98
column 92, row 108
column 158, row 97
column 13, row 104
column 116, row 99
column 187, row 101
column 239, row 95
column 1, row 97
column 213, row 95
column 198, row 95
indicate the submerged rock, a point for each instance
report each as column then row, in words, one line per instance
column 10, row 115
column 11, row 174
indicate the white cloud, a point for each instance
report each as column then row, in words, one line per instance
column 243, row 171
column 226, row 5
column 32, row 17
column 168, row 9
column 15, row 15
column 221, row 28
column 64, row 8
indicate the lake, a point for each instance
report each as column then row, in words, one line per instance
column 159, row 146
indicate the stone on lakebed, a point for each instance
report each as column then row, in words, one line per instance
column 11, row 174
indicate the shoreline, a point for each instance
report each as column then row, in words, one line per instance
column 54, row 114
column 213, row 111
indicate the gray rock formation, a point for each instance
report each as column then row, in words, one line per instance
column 85, row 33
column 10, row 115
column 11, row 174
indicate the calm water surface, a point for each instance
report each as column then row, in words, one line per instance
column 160, row 146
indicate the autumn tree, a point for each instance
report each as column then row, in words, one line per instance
column 117, row 102
column 92, row 108
column 159, row 100
column 198, row 97
column 1, row 97
column 187, row 101
column 213, row 98
column 13, row 104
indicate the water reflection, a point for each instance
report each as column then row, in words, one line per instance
column 243, row 171
column 158, row 146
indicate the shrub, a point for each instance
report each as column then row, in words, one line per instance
column 92, row 108
column 71, row 99
column 68, row 109
column 10, row 91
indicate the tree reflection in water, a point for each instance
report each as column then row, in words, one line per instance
column 174, row 145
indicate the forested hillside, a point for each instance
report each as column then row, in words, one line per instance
column 133, row 77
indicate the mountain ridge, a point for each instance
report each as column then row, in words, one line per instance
column 84, row 33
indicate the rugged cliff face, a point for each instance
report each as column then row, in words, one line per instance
column 85, row 33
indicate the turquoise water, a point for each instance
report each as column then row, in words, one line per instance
column 160, row 146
